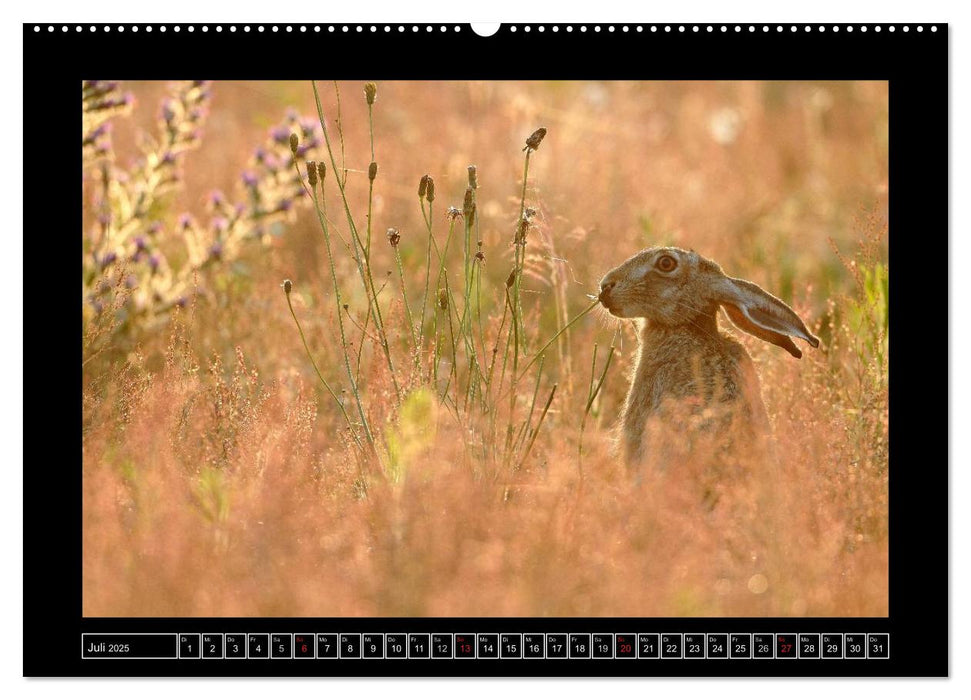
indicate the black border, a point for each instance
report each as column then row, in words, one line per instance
column 914, row 62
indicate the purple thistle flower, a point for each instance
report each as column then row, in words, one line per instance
column 131, row 281
column 281, row 135
column 249, row 178
column 108, row 259
column 185, row 221
column 168, row 111
column 181, row 302
column 216, row 250
column 260, row 154
column 220, row 224
column 302, row 150
column 154, row 229
column 168, row 158
column 285, row 204
column 140, row 243
column 97, row 305
column 292, row 115
column 153, row 262
column 216, row 198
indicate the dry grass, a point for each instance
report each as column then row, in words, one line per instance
column 220, row 479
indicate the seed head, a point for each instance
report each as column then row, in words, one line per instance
column 370, row 92
column 535, row 139
column 443, row 299
column 394, row 238
column 312, row 173
column 294, row 144
column 468, row 206
column 321, row 172
column 480, row 256
column 372, row 171
column 422, row 186
column 430, row 190
column 511, row 279
column 473, row 180
column 521, row 231
column 287, row 286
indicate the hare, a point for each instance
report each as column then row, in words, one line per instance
column 684, row 361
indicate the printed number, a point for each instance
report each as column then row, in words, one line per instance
column 396, row 648
column 810, row 648
column 625, row 648
column 786, row 648
column 258, row 648
column 235, row 648
column 717, row 649
column 763, row 648
column 512, row 648
column 556, row 648
column 534, row 648
column 855, row 648
column 876, row 648
column 739, row 648
column 212, row 648
column 832, row 649
column 443, row 648
column 581, row 648
column 603, row 649
column 488, row 648
column 694, row 648
column 303, row 648
column 671, row 649
column 466, row 648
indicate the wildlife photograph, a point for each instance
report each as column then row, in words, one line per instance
column 485, row 348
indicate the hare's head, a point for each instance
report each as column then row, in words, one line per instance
column 672, row 287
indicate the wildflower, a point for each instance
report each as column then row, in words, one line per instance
column 280, row 135
column 249, row 178
column 370, row 92
column 394, row 238
column 108, row 258
column 216, row 199
column 535, row 139
column 185, row 221
column 153, row 262
column 285, row 204
column 372, row 171
column 220, row 224
column 452, row 213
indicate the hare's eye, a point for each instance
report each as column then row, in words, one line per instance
column 666, row 263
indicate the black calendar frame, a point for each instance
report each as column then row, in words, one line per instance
column 913, row 58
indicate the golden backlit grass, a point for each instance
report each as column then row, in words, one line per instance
column 218, row 478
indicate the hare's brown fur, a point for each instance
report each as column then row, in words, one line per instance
column 685, row 365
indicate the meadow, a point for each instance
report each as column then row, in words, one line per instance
column 348, row 391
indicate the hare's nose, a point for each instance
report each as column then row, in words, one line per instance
column 605, row 287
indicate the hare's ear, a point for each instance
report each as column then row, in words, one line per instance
column 755, row 311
